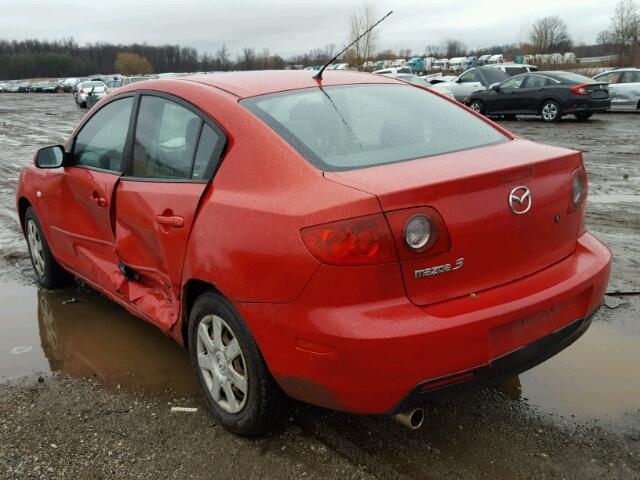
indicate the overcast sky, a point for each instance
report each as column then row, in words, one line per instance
column 290, row 27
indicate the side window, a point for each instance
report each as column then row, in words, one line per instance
column 512, row 84
column 171, row 142
column 536, row 81
column 209, row 140
column 469, row 76
column 101, row 141
column 511, row 71
column 630, row 77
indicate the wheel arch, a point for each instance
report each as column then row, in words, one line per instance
column 546, row 99
column 23, row 205
column 191, row 290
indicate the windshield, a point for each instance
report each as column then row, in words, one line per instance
column 94, row 83
column 357, row 126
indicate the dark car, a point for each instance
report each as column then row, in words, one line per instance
column 548, row 94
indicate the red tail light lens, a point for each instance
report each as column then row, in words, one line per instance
column 82, row 90
column 580, row 89
column 358, row 241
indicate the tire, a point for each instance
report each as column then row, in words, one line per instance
column 263, row 404
column 477, row 106
column 550, row 111
column 83, row 105
column 583, row 116
column 48, row 271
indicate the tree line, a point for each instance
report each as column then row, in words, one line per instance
column 65, row 58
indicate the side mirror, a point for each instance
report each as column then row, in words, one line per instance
column 495, row 87
column 50, row 157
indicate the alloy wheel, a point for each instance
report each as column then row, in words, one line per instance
column 222, row 364
column 550, row 111
column 476, row 107
column 35, row 247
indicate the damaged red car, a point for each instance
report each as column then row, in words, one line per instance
column 354, row 242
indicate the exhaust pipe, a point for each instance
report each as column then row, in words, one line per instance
column 411, row 418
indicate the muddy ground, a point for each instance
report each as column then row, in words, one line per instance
column 86, row 390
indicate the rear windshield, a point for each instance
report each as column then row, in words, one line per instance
column 357, row 126
column 569, row 77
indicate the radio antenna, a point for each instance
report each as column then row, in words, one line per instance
column 318, row 76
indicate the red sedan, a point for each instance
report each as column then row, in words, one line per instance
column 354, row 242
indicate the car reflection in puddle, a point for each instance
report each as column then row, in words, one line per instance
column 91, row 336
column 83, row 334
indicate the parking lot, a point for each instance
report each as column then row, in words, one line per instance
column 86, row 390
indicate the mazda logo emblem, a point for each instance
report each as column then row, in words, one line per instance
column 520, row 200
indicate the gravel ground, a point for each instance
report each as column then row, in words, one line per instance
column 87, row 419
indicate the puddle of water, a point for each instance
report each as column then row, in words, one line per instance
column 613, row 198
column 93, row 337
column 594, row 378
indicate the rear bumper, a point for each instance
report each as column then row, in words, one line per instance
column 383, row 354
column 497, row 370
column 586, row 105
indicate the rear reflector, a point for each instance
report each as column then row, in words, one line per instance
column 357, row 241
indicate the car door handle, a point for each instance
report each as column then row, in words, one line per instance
column 170, row 220
column 99, row 199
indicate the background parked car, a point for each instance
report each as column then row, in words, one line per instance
column 512, row 69
column 91, row 87
column 416, row 80
column 548, row 94
column 478, row 78
column 624, row 88
column 386, row 71
column 118, row 82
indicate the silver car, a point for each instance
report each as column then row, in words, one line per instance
column 624, row 88
column 474, row 79
column 91, row 87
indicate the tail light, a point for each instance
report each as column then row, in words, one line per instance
column 358, row 241
column 580, row 89
column 578, row 189
column 82, row 90
column 419, row 232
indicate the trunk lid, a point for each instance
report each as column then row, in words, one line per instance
column 470, row 190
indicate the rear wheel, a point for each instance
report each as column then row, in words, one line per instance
column 237, row 385
column 583, row 116
column 48, row 272
column 477, row 106
column 550, row 111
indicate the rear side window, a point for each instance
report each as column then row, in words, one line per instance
column 172, row 142
column 165, row 140
column 630, row 77
column 101, row 142
column 356, row 126
column 536, row 81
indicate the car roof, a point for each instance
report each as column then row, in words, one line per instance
column 262, row 82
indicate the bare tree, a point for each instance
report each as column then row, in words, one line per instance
column 222, row 58
column 625, row 27
column 549, row 35
column 454, row 48
column 361, row 20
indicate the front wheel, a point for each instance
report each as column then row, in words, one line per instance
column 48, row 271
column 237, row 385
column 550, row 111
column 477, row 106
